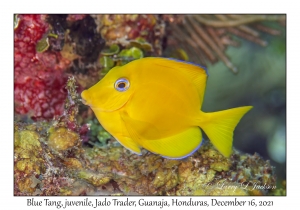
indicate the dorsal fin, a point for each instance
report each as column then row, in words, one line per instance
column 196, row 73
column 190, row 63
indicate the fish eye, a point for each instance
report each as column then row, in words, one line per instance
column 122, row 84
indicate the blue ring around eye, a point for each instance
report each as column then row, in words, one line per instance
column 122, row 84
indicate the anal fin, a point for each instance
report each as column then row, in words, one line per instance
column 177, row 146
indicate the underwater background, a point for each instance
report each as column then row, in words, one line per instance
column 248, row 67
column 261, row 82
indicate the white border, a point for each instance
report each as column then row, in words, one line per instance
column 8, row 201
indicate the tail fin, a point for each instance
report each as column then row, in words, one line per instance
column 219, row 127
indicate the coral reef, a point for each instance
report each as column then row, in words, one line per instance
column 73, row 170
column 53, row 158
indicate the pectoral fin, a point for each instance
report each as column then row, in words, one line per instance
column 147, row 136
column 139, row 130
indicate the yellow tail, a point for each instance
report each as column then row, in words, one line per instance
column 219, row 127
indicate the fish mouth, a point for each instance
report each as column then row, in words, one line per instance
column 85, row 98
column 84, row 102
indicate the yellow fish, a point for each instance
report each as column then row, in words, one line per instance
column 155, row 103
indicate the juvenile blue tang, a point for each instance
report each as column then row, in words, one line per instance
column 155, row 103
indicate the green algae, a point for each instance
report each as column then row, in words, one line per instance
column 220, row 166
column 132, row 53
column 28, row 159
column 16, row 21
column 42, row 45
column 62, row 139
column 107, row 64
column 111, row 50
column 141, row 43
column 27, row 144
column 97, row 132
column 94, row 178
